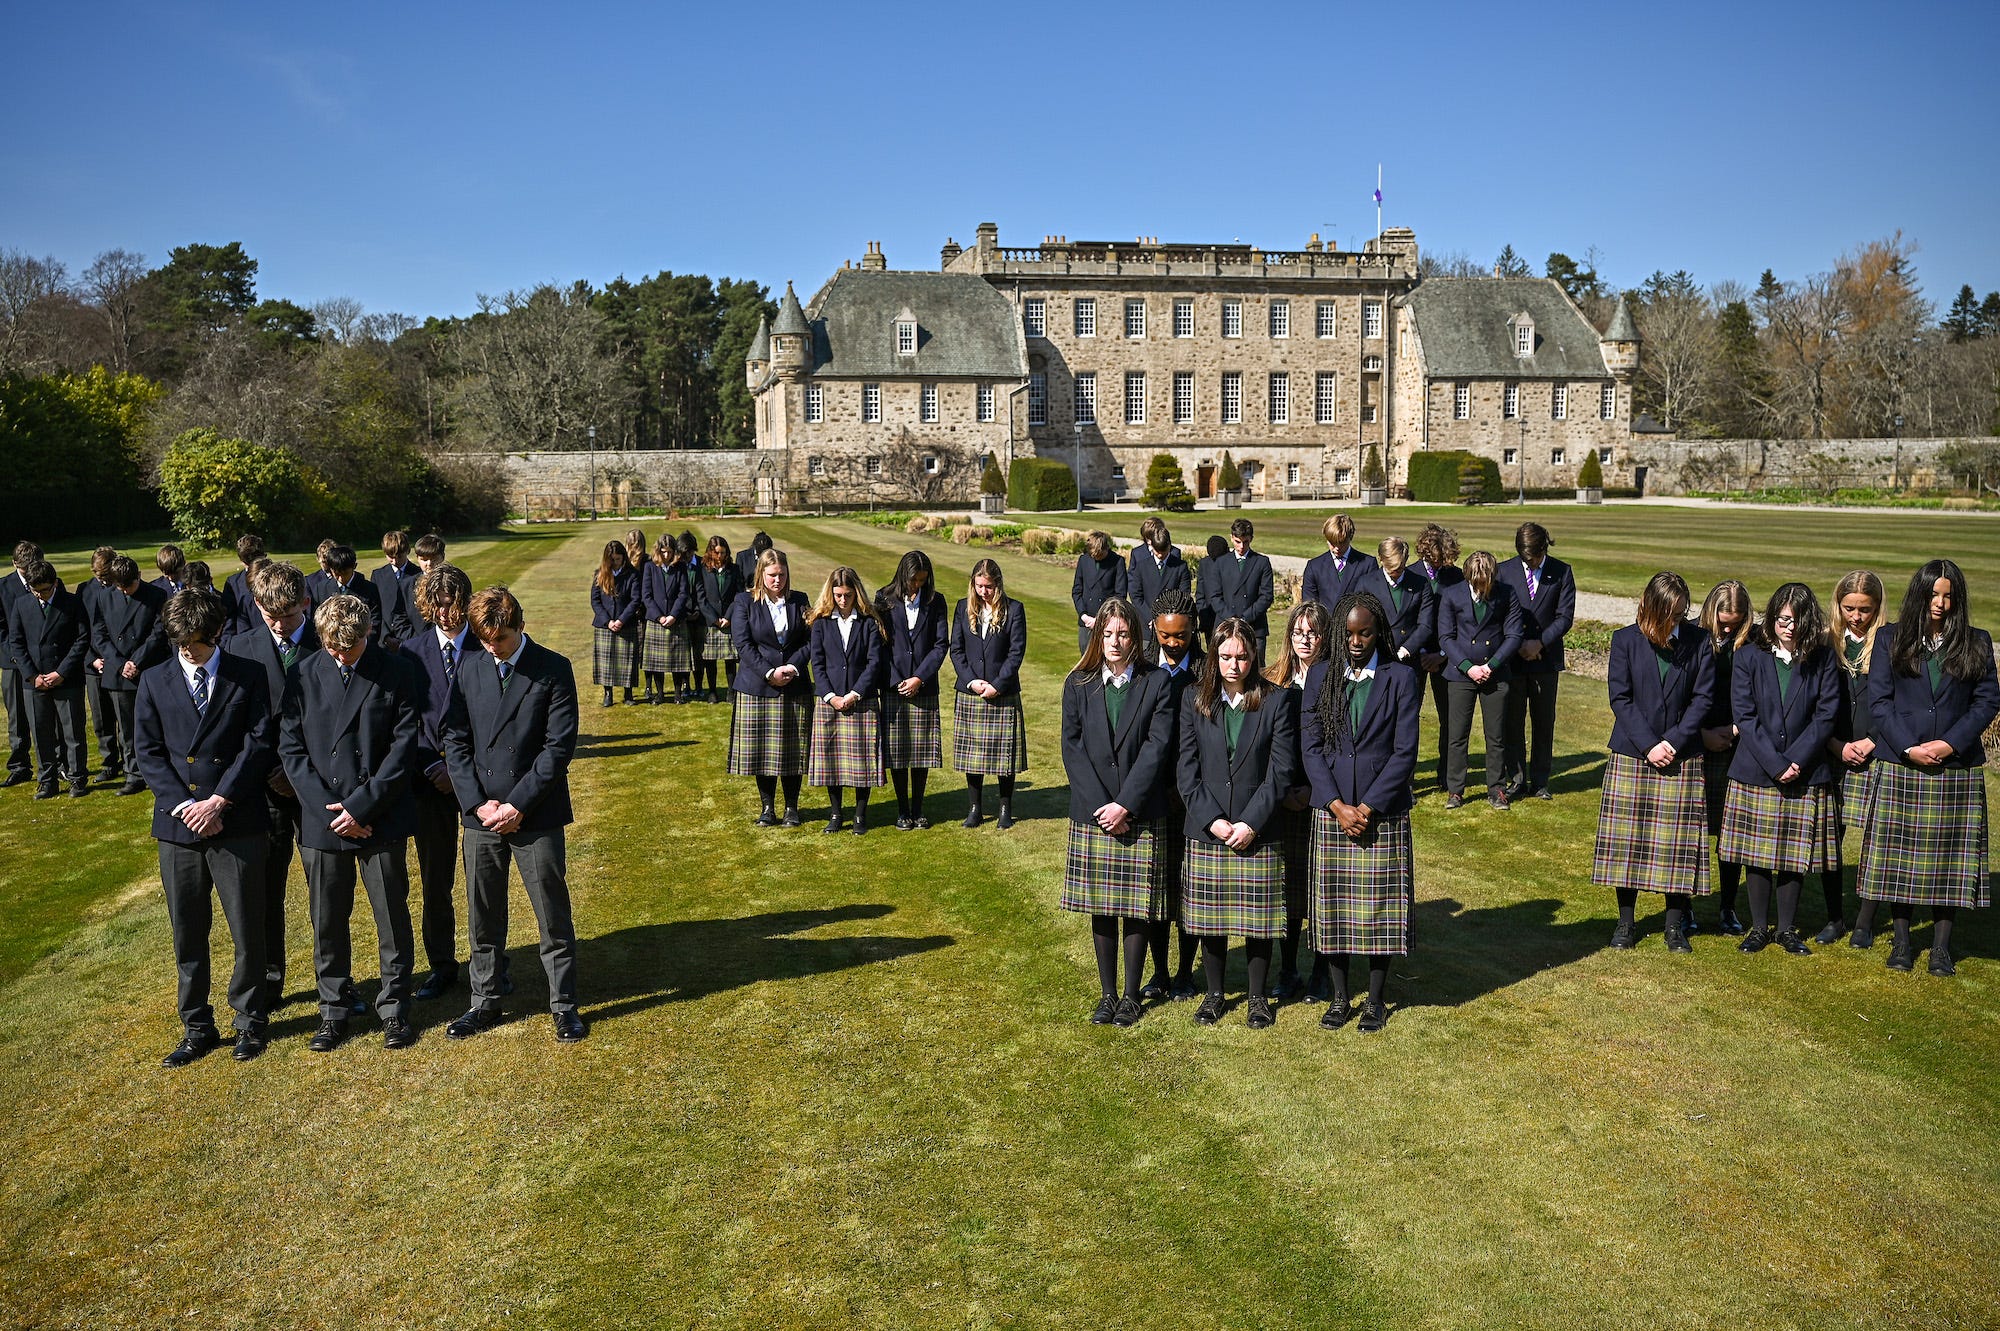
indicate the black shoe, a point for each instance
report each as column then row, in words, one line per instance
column 46, row 793
column 919, row 823
column 1320, row 988
column 1210, row 1010
column 1792, row 943
column 1454, row 801
column 1183, row 988
column 1106, row 1009
column 1006, row 814
column 1545, row 794
column 832, row 824
column 1128, row 1012
column 791, row 818
column 1901, row 958
column 16, row 779
column 1260, row 1017
column 903, row 823
column 569, row 1028
column 1942, row 965
column 1624, row 937
column 1756, row 940
column 1373, row 1017
column 132, row 788
column 1692, row 927
column 1861, row 938
column 398, row 1034
column 1284, row 986
column 193, row 1045
column 860, row 827
column 1831, row 933
column 250, row 1043
column 108, row 775
column 356, row 1005
column 630, row 701
column 1336, row 1015
column 767, row 816
column 975, row 815
column 1519, row 790
column 471, row 1024
column 78, row 791
column 1729, row 923
column 436, row 984
column 332, row 1033
column 1155, row 990
column 1677, row 941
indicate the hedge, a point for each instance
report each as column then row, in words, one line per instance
column 1433, row 476
column 1040, row 485
column 55, row 516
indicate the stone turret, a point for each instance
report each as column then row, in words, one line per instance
column 759, row 359
column 791, row 340
column 952, row 249
column 1620, row 344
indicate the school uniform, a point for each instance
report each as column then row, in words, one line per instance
column 912, row 734
column 239, row 607
column 199, row 732
column 350, row 739
column 716, row 590
column 1784, row 714
column 1411, row 607
column 1652, row 822
column 322, row 586
column 1363, row 887
column 128, row 629
column 1148, row 577
column 1721, row 712
column 46, row 638
column 1236, row 766
column 172, row 587
column 664, row 594
column 1116, row 739
column 437, row 660
column 1096, row 581
column 989, row 737
column 770, row 731
column 1924, row 842
column 1173, row 848
column 1469, row 634
column 1440, row 578
column 1547, row 597
column 284, row 820
column 746, row 566
column 847, row 654
column 1295, row 826
column 14, row 685
column 396, row 588
column 1243, row 589
column 103, row 718
column 614, row 654
column 1327, row 579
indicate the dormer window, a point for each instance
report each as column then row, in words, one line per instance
column 1524, row 335
column 906, row 337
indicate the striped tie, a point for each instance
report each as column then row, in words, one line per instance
column 346, row 676
column 506, row 675
column 450, row 662
column 200, row 689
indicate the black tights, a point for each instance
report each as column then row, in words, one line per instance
column 976, row 783
column 704, row 675
column 767, row 790
column 1759, row 881
column 1942, row 920
column 1104, row 939
column 1158, row 939
column 1830, row 887
column 834, row 801
column 1215, row 956
column 1679, row 907
column 1727, row 874
column 909, row 783
column 1378, row 976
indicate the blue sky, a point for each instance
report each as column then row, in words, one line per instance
column 411, row 156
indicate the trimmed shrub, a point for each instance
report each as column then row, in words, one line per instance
column 1038, row 541
column 1435, row 477
column 955, row 520
column 1166, row 487
column 1228, row 476
column 991, row 482
column 217, row 488
column 962, row 535
column 1372, row 475
column 918, row 525
column 1040, row 485
column 1590, row 476
column 1069, row 543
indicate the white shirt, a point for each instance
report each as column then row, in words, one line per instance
column 1782, row 653
column 781, row 617
column 187, row 673
column 1234, row 700
column 1367, row 671
column 910, row 609
column 514, row 661
column 457, row 642
column 296, row 637
column 845, row 623
column 1120, row 678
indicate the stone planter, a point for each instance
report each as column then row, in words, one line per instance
column 1590, row 496
column 1229, row 498
column 1374, row 496
column 992, row 503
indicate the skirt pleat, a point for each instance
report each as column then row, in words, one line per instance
column 769, row 736
column 1362, row 889
column 614, row 659
column 1228, row 892
column 988, row 738
column 1924, row 843
column 1788, row 832
column 1652, row 826
column 846, row 746
column 1115, row 875
column 912, row 731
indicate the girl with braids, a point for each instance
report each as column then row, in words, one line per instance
column 1176, row 650
column 848, row 651
column 1652, row 821
column 913, row 615
column 1931, row 696
column 666, row 600
column 614, row 622
column 770, row 728
column 1236, row 744
column 1780, row 820
column 1308, row 641
column 717, row 585
column 1725, row 618
column 1359, row 740
column 989, row 736
column 1857, row 603
column 1117, row 733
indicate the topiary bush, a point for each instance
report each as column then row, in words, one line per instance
column 1040, row 485
column 217, row 488
column 1373, row 477
column 991, row 482
column 1436, row 477
column 1590, row 476
column 1166, row 486
column 1228, row 476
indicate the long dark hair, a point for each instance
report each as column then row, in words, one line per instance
column 1333, row 686
column 1114, row 607
column 1808, row 620
column 1208, row 693
column 607, row 570
column 1662, row 606
column 1960, row 654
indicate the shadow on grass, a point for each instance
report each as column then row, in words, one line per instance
column 1463, row 955
column 1568, row 773
column 621, row 746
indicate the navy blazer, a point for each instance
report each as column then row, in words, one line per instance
column 1646, row 709
column 995, row 658
column 856, row 667
column 1461, row 638
column 434, row 689
column 1545, row 616
column 913, row 653
column 1132, row 770
column 261, row 649
column 1326, row 584
column 320, row 587
column 715, row 591
column 129, row 629
column 1096, row 581
column 1147, row 579
column 620, row 603
column 397, row 592
column 354, row 745
column 1774, row 733
column 1247, row 788
column 515, row 745
column 664, row 592
column 227, row 749
column 1373, row 764
column 1856, row 719
column 169, row 586
column 56, row 640
column 239, row 607
column 1907, row 712
column 746, row 565
column 1242, row 590
column 1414, row 625
column 760, row 648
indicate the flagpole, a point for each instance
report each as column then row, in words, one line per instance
column 1378, row 200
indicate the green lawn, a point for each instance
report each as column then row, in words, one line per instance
column 848, row 1082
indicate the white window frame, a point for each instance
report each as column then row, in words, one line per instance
column 1280, row 318
column 1183, row 397
column 1278, row 398
column 1559, row 403
column 906, row 337
column 1326, row 319
column 1086, row 316
column 1038, row 398
column 1292, row 473
column 1368, row 413
column 1326, row 397
column 1035, row 316
column 1371, row 365
column 983, row 404
column 1232, row 397
column 871, row 466
column 1232, row 318
column 1524, row 339
column 1371, row 319
column 1604, row 457
column 927, row 404
column 1135, row 318
column 1461, row 401
column 1510, row 402
column 1135, row 397
column 815, row 404
column 816, row 466
column 1183, row 318
column 930, row 464
column 1558, row 457
column 1607, row 401
column 1343, row 475
column 1510, row 456
column 871, row 404
column 1083, row 398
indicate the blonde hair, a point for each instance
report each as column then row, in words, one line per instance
column 1338, row 527
column 764, row 561
column 1393, row 554
column 1480, row 567
column 1729, row 594
column 864, row 604
column 1863, row 583
column 978, row 617
column 342, row 621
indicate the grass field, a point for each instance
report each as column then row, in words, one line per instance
column 840, row 1081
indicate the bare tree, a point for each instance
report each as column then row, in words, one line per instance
column 1681, row 344
column 338, row 317
column 25, row 283
column 927, row 471
column 536, row 373
column 112, row 285
column 1805, row 321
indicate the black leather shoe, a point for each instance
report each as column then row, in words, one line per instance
column 569, row 1027
column 1861, row 938
column 1792, row 943
column 791, row 818
column 1260, row 1017
column 860, row 826
column 1518, row 791
column 1901, row 958
column 46, row 793
column 1373, row 1017
column 78, row 792
column 1210, row 1010
column 1183, row 987
column 974, row 816
column 767, row 816
column 16, row 779
column 250, row 1043
column 1677, row 941
column 1831, row 933
column 193, row 1045
column 1128, row 1012
column 1729, row 924
column 832, row 825
column 1545, row 794
column 1336, row 1015
column 1624, row 937
column 607, row 697
column 1454, row 801
column 1692, row 927
column 1942, row 965
column 1106, row 1009
column 132, row 788
column 919, row 823
column 471, row 1024
column 398, row 1035
column 331, row 1034
column 904, row 823
column 436, row 984
column 1755, row 941
column 1006, row 814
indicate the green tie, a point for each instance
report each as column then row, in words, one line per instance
column 506, row 676
column 1357, row 702
column 288, row 653
column 1479, row 612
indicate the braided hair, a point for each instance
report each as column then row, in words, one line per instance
column 1331, row 706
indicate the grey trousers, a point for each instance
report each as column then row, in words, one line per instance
column 1492, row 700
column 541, row 857
column 275, row 874
column 228, row 868
column 1531, row 699
column 437, row 870
column 385, row 874
column 124, row 707
column 102, row 721
column 58, row 725
column 20, row 721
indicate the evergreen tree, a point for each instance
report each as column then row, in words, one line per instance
column 1739, row 372
column 1580, row 282
column 1963, row 321
column 1166, row 487
column 1510, row 264
column 1989, row 316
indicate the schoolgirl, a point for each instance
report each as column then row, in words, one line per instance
column 848, row 663
column 1437, row 560
column 770, row 731
column 717, row 585
column 1726, row 621
column 668, row 648
column 1479, row 630
column 1308, row 641
column 915, row 618
column 1100, row 575
column 989, row 736
column 1857, row 608
column 614, row 622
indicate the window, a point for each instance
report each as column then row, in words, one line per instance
column 906, row 337
column 815, row 466
column 1323, row 319
column 1135, row 397
column 1281, row 398
column 1371, row 318
column 1118, row 476
column 1326, row 397
column 1368, row 413
column 1510, row 456
column 1086, row 316
column 1343, row 475
column 1372, row 364
column 1461, row 402
column 927, row 406
column 1510, row 402
column 1183, row 397
column 1604, row 456
column 815, row 404
column 1524, row 338
column 984, row 408
column 1558, row 456
column 1085, row 398
column 871, row 466
column 1232, row 318
column 1035, row 316
column 1183, row 318
column 1291, row 473
column 1607, row 402
column 930, row 464
column 1232, row 398
column 1038, row 399
column 1135, row 318
column 1559, row 403
column 871, row 403
column 1281, row 318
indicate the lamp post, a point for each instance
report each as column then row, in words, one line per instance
column 1521, row 467
column 1079, row 464
column 591, row 434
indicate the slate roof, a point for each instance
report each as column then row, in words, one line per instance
column 1622, row 328
column 965, row 327
column 1464, row 325
column 791, row 319
column 760, row 345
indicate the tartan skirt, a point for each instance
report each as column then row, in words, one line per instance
column 668, row 651
column 1857, row 794
column 769, row 736
column 1115, row 875
column 846, row 746
column 1295, row 839
column 1924, row 842
column 912, row 731
column 1715, row 783
column 1362, row 890
column 1765, row 828
column 716, row 645
column 1226, row 892
column 988, row 738
column 614, row 659
column 1652, row 826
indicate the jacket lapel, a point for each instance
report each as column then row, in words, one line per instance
column 220, row 687
column 351, row 696
column 517, row 688
column 1246, row 739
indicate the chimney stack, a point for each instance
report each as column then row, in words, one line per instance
column 952, row 249
column 874, row 260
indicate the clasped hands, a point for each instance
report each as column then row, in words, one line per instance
column 1353, row 818
column 496, row 816
column 204, row 817
column 1236, row 836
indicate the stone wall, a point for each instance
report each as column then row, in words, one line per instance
column 1487, row 432
column 1675, row 466
column 559, row 484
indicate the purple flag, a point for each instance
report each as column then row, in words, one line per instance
column 1378, row 198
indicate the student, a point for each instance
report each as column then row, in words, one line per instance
column 351, row 723
column 989, row 735
column 428, row 552
column 204, row 741
column 393, row 583
column 746, row 562
column 128, row 638
column 1781, row 820
column 1857, row 602
column 92, row 592
column 1236, row 744
column 1155, row 568
column 1175, row 650
column 1309, row 639
column 1215, row 548
column 1726, row 622
column 48, row 635
column 1931, row 694
column 614, row 623
column 1117, row 727
column 917, row 621
column 237, row 602
column 1100, row 575
column 1243, row 583
column 638, row 551
column 1359, row 741
column 717, row 585
column 338, row 576
column 1406, row 595
column 1437, row 560
column 1545, row 589
column 1342, row 569
column 664, row 596
column 172, row 564
column 199, row 576
column 1479, row 629
column 848, row 656
column 770, row 731
column 509, row 737
column 1652, row 818
column 14, row 675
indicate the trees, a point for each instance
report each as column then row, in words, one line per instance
column 1740, row 388
column 218, row 487
column 112, row 282
column 1510, row 264
column 1679, row 333
column 1166, row 486
column 28, row 285
column 1805, row 322
column 1963, row 320
column 535, row 372
column 1581, row 282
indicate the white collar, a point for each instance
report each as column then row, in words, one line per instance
column 1850, row 635
column 1234, row 700
column 457, row 640
column 188, row 668
column 1782, row 653
column 514, row 662
column 1367, row 671
column 1121, row 678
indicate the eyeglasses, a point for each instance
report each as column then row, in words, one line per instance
column 1305, row 635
